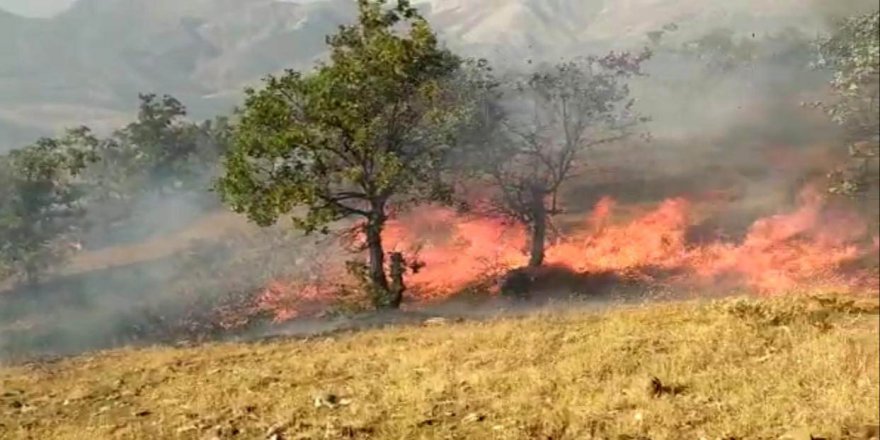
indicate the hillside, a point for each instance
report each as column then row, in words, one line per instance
column 98, row 55
column 731, row 369
column 87, row 64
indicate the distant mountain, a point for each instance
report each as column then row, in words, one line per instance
column 99, row 54
column 87, row 64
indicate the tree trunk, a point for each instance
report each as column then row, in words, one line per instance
column 376, row 272
column 539, row 229
column 395, row 291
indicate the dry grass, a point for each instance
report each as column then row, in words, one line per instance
column 214, row 226
column 732, row 369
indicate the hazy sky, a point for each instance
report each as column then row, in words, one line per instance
column 35, row 8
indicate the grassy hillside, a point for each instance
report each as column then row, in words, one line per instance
column 732, row 369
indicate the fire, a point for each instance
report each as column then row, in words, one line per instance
column 781, row 252
column 277, row 298
column 811, row 246
column 455, row 251
column 806, row 247
column 656, row 239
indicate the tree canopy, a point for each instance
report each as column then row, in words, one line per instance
column 853, row 54
column 160, row 151
column 370, row 128
column 41, row 202
column 63, row 187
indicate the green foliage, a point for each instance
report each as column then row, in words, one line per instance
column 373, row 123
column 41, row 201
column 853, row 53
column 215, row 137
column 370, row 128
column 160, row 150
column 59, row 187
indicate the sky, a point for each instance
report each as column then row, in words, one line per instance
column 35, row 8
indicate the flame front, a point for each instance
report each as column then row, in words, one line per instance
column 812, row 246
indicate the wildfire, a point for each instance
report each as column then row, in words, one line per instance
column 455, row 250
column 811, row 246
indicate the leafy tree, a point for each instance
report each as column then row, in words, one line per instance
column 367, row 130
column 213, row 141
column 721, row 50
column 159, row 153
column 550, row 120
column 853, row 53
column 153, row 152
column 41, row 202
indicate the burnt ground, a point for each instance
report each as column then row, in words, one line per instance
column 553, row 289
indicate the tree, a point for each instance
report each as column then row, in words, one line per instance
column 550, row 120
column 853, row 54
column 40, row 204
column 215, row 137
column 721, row 50
column 159, row 153
column 155, row 152
column 369, row 129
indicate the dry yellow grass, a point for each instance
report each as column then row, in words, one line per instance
column 211, row 227
column 743, row 369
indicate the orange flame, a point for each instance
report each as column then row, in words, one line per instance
column 808, row 247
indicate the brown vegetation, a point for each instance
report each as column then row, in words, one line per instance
column 733, row 369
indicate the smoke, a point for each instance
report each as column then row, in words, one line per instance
column 830, row 12
column 169, row 267
column 726, row 113
column 87, row 303
column 722, row 122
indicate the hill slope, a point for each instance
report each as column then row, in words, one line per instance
column 99, row 54
column 734, row 369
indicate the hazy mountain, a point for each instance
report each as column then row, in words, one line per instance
column 99, row 54
column 87, row 64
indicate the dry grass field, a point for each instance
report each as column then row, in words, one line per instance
column 742, row 368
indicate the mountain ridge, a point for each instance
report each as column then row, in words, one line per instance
column 97, row 55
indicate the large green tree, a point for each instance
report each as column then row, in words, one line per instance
column 41, row 205
column 367, row 130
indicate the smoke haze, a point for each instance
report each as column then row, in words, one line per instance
column 722, row 120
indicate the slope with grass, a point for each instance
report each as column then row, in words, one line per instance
column 740, row 368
